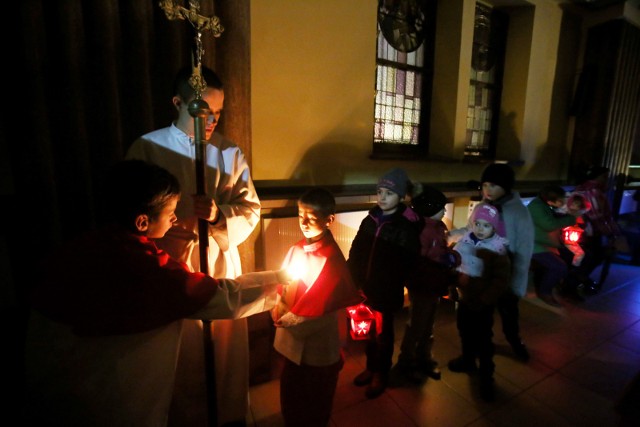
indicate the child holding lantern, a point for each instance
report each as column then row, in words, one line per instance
column 576, row 205
column 383, row 253
column 306, row 317
column 551, row 268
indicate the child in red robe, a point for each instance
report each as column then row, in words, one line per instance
column 306, row 317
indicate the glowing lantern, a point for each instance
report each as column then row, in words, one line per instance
column 362, row 320
column 571, row 235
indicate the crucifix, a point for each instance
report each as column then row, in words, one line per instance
column 200, row 111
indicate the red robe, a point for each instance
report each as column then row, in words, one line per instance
column 114, row 282
column 117, row 303
column 311, row 344
column 325, row 284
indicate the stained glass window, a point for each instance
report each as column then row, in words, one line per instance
column 398, row 95
column 403, row 77
column 489, row 39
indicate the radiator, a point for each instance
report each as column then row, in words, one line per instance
column 279, row 234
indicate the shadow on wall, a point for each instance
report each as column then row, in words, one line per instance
column 550, row 157
column 508, row 145
column 329, row 163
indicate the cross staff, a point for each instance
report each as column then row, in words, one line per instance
column 200, row 111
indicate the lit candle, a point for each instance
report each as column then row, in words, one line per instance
column 295, row 270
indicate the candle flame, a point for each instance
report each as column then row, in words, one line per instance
column 295, row 270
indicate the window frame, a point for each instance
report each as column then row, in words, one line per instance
column 393, row 150
column 497, row 39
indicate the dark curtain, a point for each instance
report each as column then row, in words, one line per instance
column 85, row 79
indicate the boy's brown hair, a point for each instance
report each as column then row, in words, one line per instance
column 135, row 187
column 320, row 199
column 552, row 193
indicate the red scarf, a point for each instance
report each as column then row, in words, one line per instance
column 325, row 284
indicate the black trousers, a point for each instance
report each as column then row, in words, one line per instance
column 475, row 327
column 508, row 308
column 379, row 349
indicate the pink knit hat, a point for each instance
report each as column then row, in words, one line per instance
column 490, row 214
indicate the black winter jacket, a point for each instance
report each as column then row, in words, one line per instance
column 382, row 255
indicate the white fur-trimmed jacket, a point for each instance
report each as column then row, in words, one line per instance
column 485, row 270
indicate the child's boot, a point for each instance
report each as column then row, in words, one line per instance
column 487, row 388
column 430, row 369
column 363, row 378
column 520, row 350
column 377, row 386
column 410, row 371
column 462, row 364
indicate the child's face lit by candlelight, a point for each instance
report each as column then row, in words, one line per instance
column 312, row 222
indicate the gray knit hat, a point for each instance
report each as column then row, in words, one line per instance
column 395, row 180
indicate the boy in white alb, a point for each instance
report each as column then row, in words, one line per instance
column 306, row 317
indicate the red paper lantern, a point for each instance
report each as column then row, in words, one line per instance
column 571, row 235
column 362, row 320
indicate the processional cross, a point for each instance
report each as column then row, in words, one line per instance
column 200, row 111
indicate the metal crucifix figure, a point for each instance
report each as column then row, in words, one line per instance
column 200, row 111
